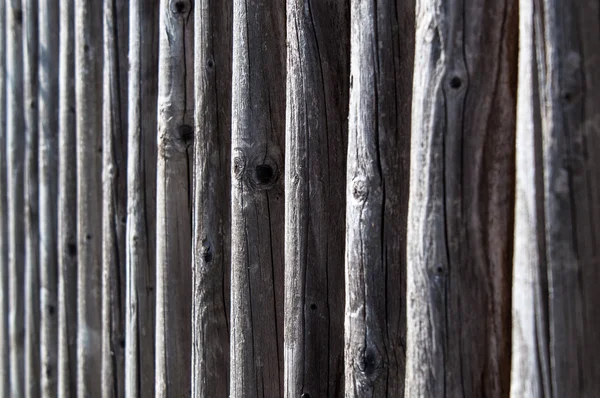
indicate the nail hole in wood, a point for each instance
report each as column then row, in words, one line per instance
column 51, row 309
column 210, row 64
column 313, row 306
column 88, row 237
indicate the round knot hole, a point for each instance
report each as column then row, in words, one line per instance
column 455, row 82
column 313, row 306
column 180, row 6
column 264, row 173
column 210, row 64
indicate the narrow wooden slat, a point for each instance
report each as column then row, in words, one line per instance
column 15, row 154
column 67, row 206
column 173, row 198
column 382, row 37
column 88, row 95
column 257, row 203
column 4, row 297
column 462, row 199
column 31, row 265
column 48, row 193
column 114, row 196
column 210, row 248
column 141, row 202
column 315, row 167
column 556, row 319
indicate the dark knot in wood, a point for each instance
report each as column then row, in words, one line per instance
column 255, row 168
column 180, row 7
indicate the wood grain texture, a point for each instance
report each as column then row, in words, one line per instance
column 257, row 203
column 67, row 206
column 211, row 219
column 4, row 296
column 114, row 195
column 15, row 155
column 315, row 167
column 88, row 94
column 48, row 157
column 141, row 203
column 462, row 199
column 556, row 266
column 173, row 199
column 382, row 37
column 31, row 220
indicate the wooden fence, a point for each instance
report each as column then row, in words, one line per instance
column 300, row 198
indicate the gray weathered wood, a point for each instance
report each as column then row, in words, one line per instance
column 382, row 39
column 31, row 220
column 173, row 198
column 48, row 193
column 88, row 96
column 15, row 154
column 114, row 196
column 210, row 247
column 141, row 203
column 461, row 200
column 257, row 203
column 556, row 317
column 315, row 169
column 4, row 337
column 67, row 206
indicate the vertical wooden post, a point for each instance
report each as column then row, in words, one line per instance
column 88, row 93
column 382, row 35
column 114, row 196
column 67, row 206
column 173, row 199
column 315, row 166
column 257, row 203
column 15, row 153
column 556, row 317
column 210, row 248
column 141, row 203
column 48, row 193
column 461, row 199
column 31, row 265
column 4, row 297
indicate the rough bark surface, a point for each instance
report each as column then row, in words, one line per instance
column 88, row 93
column 31, row 265
column 48, row 193
column 173, row 198
column 382, row 37
column 461, row 200
column 4, row 337
column 67, row 206
column 556, row 264
column 141, row 202
column 114, row 196
column 315, row 167
column 211, row 239
column 257, row 202
column 15, row 155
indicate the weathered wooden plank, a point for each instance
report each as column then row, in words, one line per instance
column 556, row 264
column 48, row 193
column 461, row 202
column 4, row 297
column 67, row 206
column 31, row 220
column 141, row 202
column 114, row 196
column 88, row 95
column 15, row 155
column 257, row 204
column 211, row 218
column 382, row 37
column 315, row 167
column 173, row 198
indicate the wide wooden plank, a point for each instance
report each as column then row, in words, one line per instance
column 257, row 203
column 461, row 200
column 212, row 179
column 88, row 94
column 140, row 249
column 173, row 198
column 315, row 167
column 48, row 193
column 15, row 156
